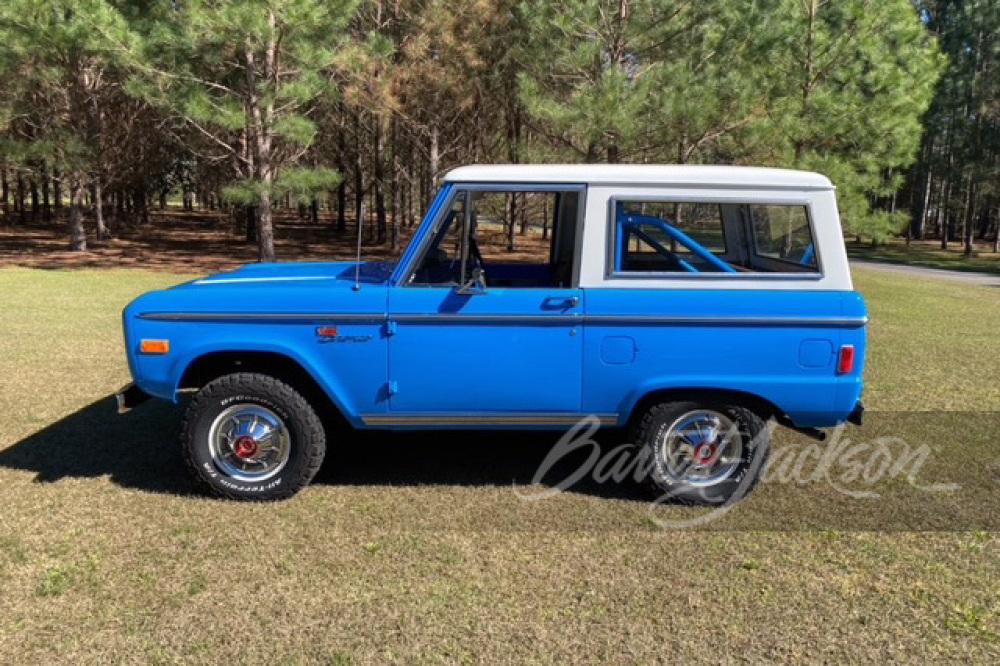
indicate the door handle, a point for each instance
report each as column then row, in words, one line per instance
column 562, row 302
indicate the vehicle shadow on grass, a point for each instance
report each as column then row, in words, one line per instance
column 140, row 450
column 136, row 450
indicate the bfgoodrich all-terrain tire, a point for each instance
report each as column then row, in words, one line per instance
column 252, row 437
column 702, row 453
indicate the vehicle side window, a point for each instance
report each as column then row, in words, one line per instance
column 782, row 232
column 516, row 238
column 655, row 237
column 441, row 262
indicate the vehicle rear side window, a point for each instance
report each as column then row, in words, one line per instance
column 783, row 233
column 689, row 238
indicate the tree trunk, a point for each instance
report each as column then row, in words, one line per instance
column 342, row 207
column 967, row 226
column 396, row 191
column 57, row 189
column 265, row 223
column 614, row 152
column 411, row 204
column 77, row 234
column 359, row 189
column 36, row 207
column 140, row 202
column 19, row 201
column 434, row 163
column 512, row 213
column 314, row 210
column 545, row 218
column 250, row 219
column 380, row 214
column 996, row 233
column 46, row 194
column 262, row 114
column 922, row 218
column 5, row 195
column 943, row 213
column 98, row 194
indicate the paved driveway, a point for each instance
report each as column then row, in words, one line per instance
column 988, row 279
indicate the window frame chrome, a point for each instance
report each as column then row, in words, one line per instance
column 612, row 224
column 466, row 189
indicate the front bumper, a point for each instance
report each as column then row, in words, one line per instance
column 130, row 396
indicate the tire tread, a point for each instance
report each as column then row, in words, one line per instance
column 646, row 426
column 248, row 382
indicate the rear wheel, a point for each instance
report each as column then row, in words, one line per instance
column 251, row 436
column 702, row 453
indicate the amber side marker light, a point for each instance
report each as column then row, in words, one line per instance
column 154, row 346
column 846, row 362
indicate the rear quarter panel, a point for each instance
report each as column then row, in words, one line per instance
column 779, row 345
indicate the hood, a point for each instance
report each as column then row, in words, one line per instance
column 321, row 286
column 297, row 273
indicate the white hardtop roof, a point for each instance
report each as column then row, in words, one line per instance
column 639, row 174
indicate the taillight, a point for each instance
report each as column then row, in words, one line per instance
column 845, row 363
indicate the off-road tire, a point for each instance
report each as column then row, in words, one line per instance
column 307, row 439
column 658, row 420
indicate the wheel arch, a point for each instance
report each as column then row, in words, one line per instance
column 763, row 407
column 208, row 366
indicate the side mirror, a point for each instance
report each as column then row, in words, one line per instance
column 475, row 286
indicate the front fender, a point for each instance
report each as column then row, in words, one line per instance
column 350, row 368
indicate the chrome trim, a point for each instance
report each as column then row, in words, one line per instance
column 461, row 188
column 281, row 278
column 517, row 186
column 262, row 316
column 489, row 318
column 481, row 419
column 726, row 321
column 661, row 275
column 574, row 318
column 406, row 271
column 611, row 243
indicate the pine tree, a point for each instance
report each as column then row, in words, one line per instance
column 60, row 65
column 849, row 84
column 245, row 75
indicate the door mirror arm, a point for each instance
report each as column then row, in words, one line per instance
column 476, row 284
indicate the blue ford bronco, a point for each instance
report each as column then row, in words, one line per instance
column 693, row 305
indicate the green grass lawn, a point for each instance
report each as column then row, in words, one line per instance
column 403, row 554
column 929, row 254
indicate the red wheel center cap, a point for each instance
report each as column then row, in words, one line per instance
column 246, row 447
column 705, row 453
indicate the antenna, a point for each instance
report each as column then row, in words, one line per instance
column 357, row 259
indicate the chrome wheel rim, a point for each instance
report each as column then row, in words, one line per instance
column 249, row 442
column 701, row 448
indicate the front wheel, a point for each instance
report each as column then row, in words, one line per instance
column 252, row 437
column 698, row 453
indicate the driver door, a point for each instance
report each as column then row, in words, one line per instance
column 512, row 353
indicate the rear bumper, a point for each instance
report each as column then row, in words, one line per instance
column 857, row 414
column 130, row 396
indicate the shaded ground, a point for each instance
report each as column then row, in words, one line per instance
column 175, row 240
column 207, row 242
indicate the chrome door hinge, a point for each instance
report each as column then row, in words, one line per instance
column 392, row 388
column 390, row 328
